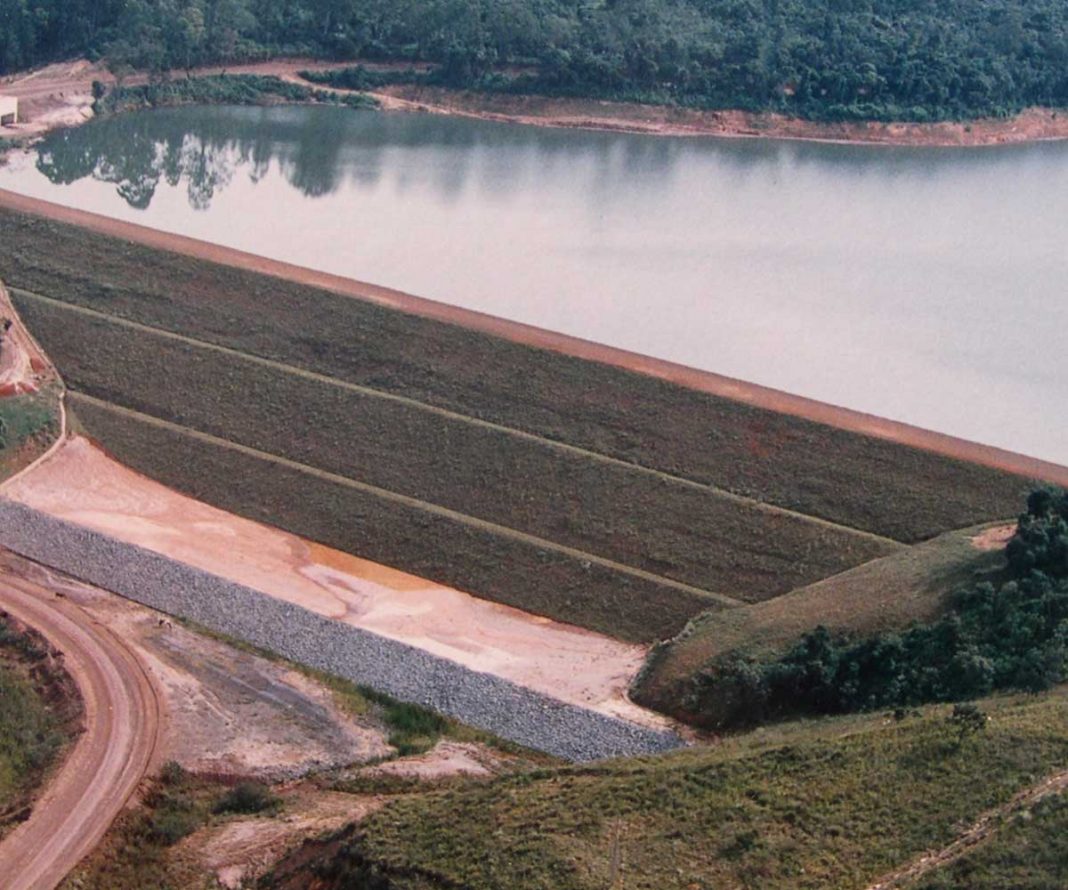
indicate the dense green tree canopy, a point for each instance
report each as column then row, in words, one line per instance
column 909, row 59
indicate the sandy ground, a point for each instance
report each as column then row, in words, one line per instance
column 61, row 95
column 446, row 758
column 241, row 850
column 994, row 538
column 228, row 712
column 80, row 484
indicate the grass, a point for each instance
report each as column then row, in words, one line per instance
column 653, row 522
column 871, row 484
column 29, row 737
column 29, row 423
column 832, row 803
column 39, row 707
column 518, row 572
column 1028, row 852
column 886, row 594
column 220, row 89
column 136, row 852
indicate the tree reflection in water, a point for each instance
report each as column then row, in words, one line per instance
column 205, row 151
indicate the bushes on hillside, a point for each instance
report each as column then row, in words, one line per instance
column 1008, row 636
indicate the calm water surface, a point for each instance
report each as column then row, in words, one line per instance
column 924, row 285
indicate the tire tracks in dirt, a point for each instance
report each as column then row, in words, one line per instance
column 124, row 716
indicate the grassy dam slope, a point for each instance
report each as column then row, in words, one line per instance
column 564, row 486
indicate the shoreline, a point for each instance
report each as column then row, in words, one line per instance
column 681, row 375
column 60, row 95
column 1030, row 126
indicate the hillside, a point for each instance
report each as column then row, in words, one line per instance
column 884, row 59
column 886, row 594
column 835, row 803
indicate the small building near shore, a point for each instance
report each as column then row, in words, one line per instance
column 9, row 111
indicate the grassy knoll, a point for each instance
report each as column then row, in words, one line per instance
column 870, row 484
column 519, row 571
column 39, row 707
column 657, row 523
column 1028, row 852
column 833, row 803
column 885, row 594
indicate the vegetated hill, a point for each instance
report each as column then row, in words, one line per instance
column 1003, row 631
column 883, row 595
column 834, row 803
column 831, row 59
column 40, row 709
column 1030, row 852
column 578, row 490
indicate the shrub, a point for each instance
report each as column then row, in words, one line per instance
column 248, row 798
column 1012, row 636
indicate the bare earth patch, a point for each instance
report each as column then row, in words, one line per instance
column 994, row 538
column 1031, row 125
column 228, row 711
column 82, row 485
column 242, row 849
column 446, row 758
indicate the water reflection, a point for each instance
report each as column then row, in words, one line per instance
column 203, row 149
column 139, row 151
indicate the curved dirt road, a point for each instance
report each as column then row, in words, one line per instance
column 122, row 719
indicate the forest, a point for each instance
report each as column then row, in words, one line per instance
column 822, row 59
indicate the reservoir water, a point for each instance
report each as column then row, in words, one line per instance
column 925, row 285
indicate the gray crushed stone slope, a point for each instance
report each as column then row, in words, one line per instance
column 394, row 668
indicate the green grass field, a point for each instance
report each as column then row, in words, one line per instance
column 831, row 803
column 912, row 585
column 1029, row 852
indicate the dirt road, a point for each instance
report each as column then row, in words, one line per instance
column 123, row 717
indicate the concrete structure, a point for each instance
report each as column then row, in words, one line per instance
column 9, row 111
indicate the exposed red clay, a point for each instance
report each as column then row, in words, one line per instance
column 704, row 381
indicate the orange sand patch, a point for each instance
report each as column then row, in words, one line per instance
column 994, row 538
column 80, row 484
